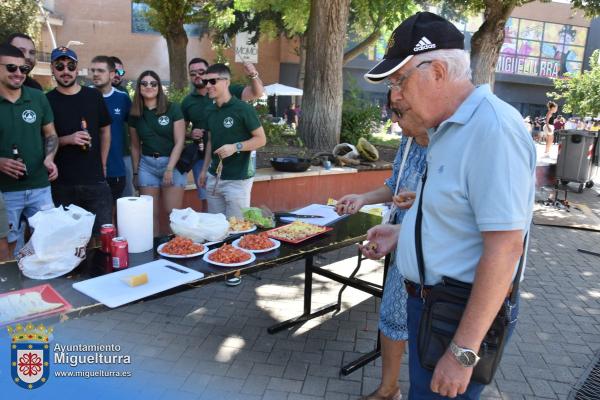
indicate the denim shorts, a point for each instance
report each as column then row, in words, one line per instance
column 3, row 219
column 151, row 171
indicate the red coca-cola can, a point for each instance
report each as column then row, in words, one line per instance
column 119, row 252
column 107, row 233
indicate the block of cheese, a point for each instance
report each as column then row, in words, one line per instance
column 137, row 280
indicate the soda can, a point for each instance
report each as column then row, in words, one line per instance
column 119, row 252
column 107, row 233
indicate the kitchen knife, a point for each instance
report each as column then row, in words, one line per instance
column 292, row 215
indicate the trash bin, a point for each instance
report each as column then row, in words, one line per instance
column 576, row 154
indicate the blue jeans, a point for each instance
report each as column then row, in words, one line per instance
column 24, row 203
column 420, row 378
column 129, row 190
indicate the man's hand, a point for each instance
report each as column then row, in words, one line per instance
column 382, row 240
column 13, row 168
column 404, row 200
column 250, row 69
column 226, row 150
column 52, row 169
column 80, row 138
column 449, row 377
column 349, row 204
column 197, row 134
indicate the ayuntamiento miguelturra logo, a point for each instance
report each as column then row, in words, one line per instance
column 30, row 355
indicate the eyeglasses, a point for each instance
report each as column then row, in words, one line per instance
column 149, row 83
column 13, row 68
column 120, row 72
column 197, row 72
column 71, row 66
column 213, row 81
column 397, row 86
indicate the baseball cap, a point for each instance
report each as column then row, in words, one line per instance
column 418, row 34
column 62, row 51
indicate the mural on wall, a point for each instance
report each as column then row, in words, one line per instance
column 541, row 48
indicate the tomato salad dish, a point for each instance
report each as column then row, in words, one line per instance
column 260, row 241
column 227, row 254
column 181, row 246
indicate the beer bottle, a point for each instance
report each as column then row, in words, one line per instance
column 85, row 147
column 17, row 157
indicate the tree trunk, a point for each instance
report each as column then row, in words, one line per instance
column 323, row 86
column 301, row 66
column 177, row 47
column 487, row 41
column 362, row 46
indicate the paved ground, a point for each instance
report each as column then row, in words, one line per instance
column 211, row 342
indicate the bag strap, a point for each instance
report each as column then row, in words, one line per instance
column 419, row 248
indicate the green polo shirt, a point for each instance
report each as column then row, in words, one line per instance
column 21, row 124
column 156, row 130
column 231, row 123
column 194, row 105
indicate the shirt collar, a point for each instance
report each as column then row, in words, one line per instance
column 112, row 90
column 24, row 98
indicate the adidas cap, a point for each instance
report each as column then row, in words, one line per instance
column 420, row 33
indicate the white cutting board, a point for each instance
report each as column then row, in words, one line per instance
column 111, row 291
column 328, row 212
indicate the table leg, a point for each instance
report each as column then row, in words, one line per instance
column 307, row 314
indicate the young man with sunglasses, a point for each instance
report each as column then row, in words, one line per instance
column 26, row 127
column 118, row 104
column 117, row 82
column 119, row 77
column 194, row 106
column 235, row 131
column 25, row 43
column 83, row 126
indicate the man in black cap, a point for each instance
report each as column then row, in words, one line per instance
column 475, row 202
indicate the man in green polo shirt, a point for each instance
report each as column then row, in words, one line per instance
column 28, row 144
column 234, row 131
column 194, row 107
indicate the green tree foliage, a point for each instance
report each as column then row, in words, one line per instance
column 17, row 16
column 168, row 18
column 580, row 91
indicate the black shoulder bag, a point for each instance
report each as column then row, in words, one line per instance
column 443, row 311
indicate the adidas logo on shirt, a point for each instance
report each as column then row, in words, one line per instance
column 424, row 44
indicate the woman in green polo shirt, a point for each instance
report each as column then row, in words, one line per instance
column 157, row 131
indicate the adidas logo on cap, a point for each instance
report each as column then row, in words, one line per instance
column 424, row 44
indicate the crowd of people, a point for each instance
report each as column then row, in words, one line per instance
column 89, row 146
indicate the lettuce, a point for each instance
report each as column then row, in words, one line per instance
column 255, row 215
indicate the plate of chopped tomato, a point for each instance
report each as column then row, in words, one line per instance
column 259, row 243
column 181, row 247
column 229, row 256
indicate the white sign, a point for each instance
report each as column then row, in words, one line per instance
column 244, row 51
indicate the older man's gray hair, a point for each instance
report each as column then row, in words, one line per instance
column 458, row 62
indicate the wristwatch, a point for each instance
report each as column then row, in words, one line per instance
column 239, row 147
column 465, row 357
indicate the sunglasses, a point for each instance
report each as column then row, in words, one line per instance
column 71, row 66
column 13, row 68
column 120, row 72
column 212, row 81
column 197, row 72
column 151, row 84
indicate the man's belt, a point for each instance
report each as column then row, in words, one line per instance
column 414, row 289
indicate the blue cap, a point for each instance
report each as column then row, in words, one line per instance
column 63, row 51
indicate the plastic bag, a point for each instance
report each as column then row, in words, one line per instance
column 346, row 150
column 200, row 227
column 58, row 243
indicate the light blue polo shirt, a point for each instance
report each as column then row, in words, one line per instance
column 481, row 177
